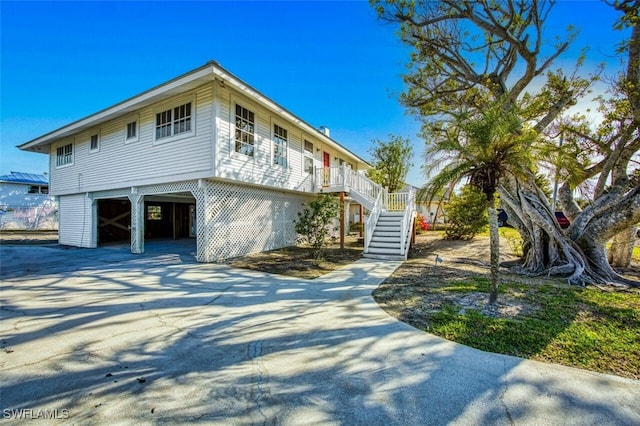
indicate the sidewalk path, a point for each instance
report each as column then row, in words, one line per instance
column 126, row 339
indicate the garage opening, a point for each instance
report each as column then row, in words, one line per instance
column 114, row 221
column 169, row 220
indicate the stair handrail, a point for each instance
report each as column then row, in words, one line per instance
column 361, row 184
column 351, row 180
column 372, row 220
column 409, row 208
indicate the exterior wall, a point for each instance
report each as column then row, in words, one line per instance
column 77, row 221
column 259, row 169
column 208, row 153
column 119, row 163
column 22, row 211
column 431, row 212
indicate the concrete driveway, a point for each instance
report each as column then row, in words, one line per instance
column 105, row 337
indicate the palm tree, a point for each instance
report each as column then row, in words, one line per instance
column 482, row 149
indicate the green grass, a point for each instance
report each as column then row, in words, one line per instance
column 585, row 328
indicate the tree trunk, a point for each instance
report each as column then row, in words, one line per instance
column 494, row 244
column 579, row 253
column 619, row 255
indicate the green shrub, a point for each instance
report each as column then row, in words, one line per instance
column 313, row 222
column 467, row 214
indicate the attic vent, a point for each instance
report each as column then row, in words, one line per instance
column 325, row 130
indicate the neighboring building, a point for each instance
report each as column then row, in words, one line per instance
column 202, row 156
column 25, row 203
column 433, row 211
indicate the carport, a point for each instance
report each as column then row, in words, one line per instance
column 166, row 217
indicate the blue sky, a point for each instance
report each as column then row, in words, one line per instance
column 331, row 63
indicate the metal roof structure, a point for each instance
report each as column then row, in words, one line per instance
column 26, row 178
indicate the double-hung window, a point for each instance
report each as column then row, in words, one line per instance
column 245, row 131
column 308, row 156
column 94, row 143
column 173, row 121
column 280, row 142
column 132, row 131
column 64, row 155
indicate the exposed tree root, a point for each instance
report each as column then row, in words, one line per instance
column 549, row 251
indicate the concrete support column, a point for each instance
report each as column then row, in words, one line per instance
column 137, row 223
column 93, row 242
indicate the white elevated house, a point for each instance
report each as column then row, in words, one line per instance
column 208, row 157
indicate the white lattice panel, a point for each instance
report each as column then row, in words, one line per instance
column 242, row 219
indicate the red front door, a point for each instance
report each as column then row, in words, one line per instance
column 326, row 163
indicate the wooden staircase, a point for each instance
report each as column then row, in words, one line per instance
column 386, row 241
column 389, row 226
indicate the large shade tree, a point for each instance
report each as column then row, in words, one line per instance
column 468, row 55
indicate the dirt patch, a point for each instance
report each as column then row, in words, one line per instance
column 298, row 262
column 435, row 274
column 28, row 237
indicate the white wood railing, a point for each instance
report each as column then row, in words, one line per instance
column 372, row 221
column 372, row 195
column 409, row 200
column 362, row 184
column 398, row 201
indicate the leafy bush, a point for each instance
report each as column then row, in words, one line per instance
column 467, row 214
column 313, row 222
column 421, row 224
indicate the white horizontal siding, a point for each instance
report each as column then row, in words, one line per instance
column 118, row 164
column 75, row 225
column 259, row 169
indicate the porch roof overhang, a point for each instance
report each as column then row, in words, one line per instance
column 211, row 71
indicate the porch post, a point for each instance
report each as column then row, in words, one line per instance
column 341, row 220
column 204, row 222
column 93, row 242
column 361, row 221
column 137, row 223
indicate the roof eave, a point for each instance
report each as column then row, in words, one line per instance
column 124, row 107
column 208, row 72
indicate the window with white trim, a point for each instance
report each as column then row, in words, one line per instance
column 245, row 131
column 173, row 121
column 132, row 131
column 94, row 144
column 64, row 155
column 280, row 142
column 308, row 156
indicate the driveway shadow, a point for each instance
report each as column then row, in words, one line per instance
column 160, row 339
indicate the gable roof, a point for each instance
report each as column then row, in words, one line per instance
column 26, row 178
column 211, row 71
